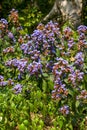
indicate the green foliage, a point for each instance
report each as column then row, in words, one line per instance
column 36, row 106
column 29, row 18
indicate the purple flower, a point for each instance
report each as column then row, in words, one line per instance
column 44, row 39
column 82, row 29
column 26, row 48
column 75, row 77
column 58, row 80
column 62, row 61
column 3, row 83
column 11, row 63
column 4, row 21
column 49, row 65
column 72, row 77
column 10, row 35
column 83, row 95
column 71, row 43
column 35, row 54
column 79, row 60
column 79, row 75
column 17, row 88
column 8, row 50
column 81, row 36
column 35, row 68
column 37, row 35
column 20, row 64
column 67, row 32
column 3, row 27
column 1, row 78
column 65, row 110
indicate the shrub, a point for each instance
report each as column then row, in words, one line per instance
column 43, row 76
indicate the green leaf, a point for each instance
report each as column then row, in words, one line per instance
column 13, row 30
column 22, row 127
column 22, row 18
column 77, row 103
column 26, row 122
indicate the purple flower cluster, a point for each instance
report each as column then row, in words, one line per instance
column 67, row 33
column 37, row 36
column 42, row 43
column 61, row 66
column 49, row 66
column 71, row 43
column 60, row 71
column 81, row 36
column 8, row 50
column 35, row 55
column 4, row 83
column 75, row 77
column 17, row 88
column 20, row 64
column 44, row 38
column 3, row 24
column 11, row 63
column 28, row 47
column 35, row 68
column 82, row 95
column 59, row 91
column 82, row 29
column 79, row 60
column 65, row 110
column 3, row 27
column 82, row 43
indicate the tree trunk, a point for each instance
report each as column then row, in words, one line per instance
column 55, row 11
column 66, row 10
